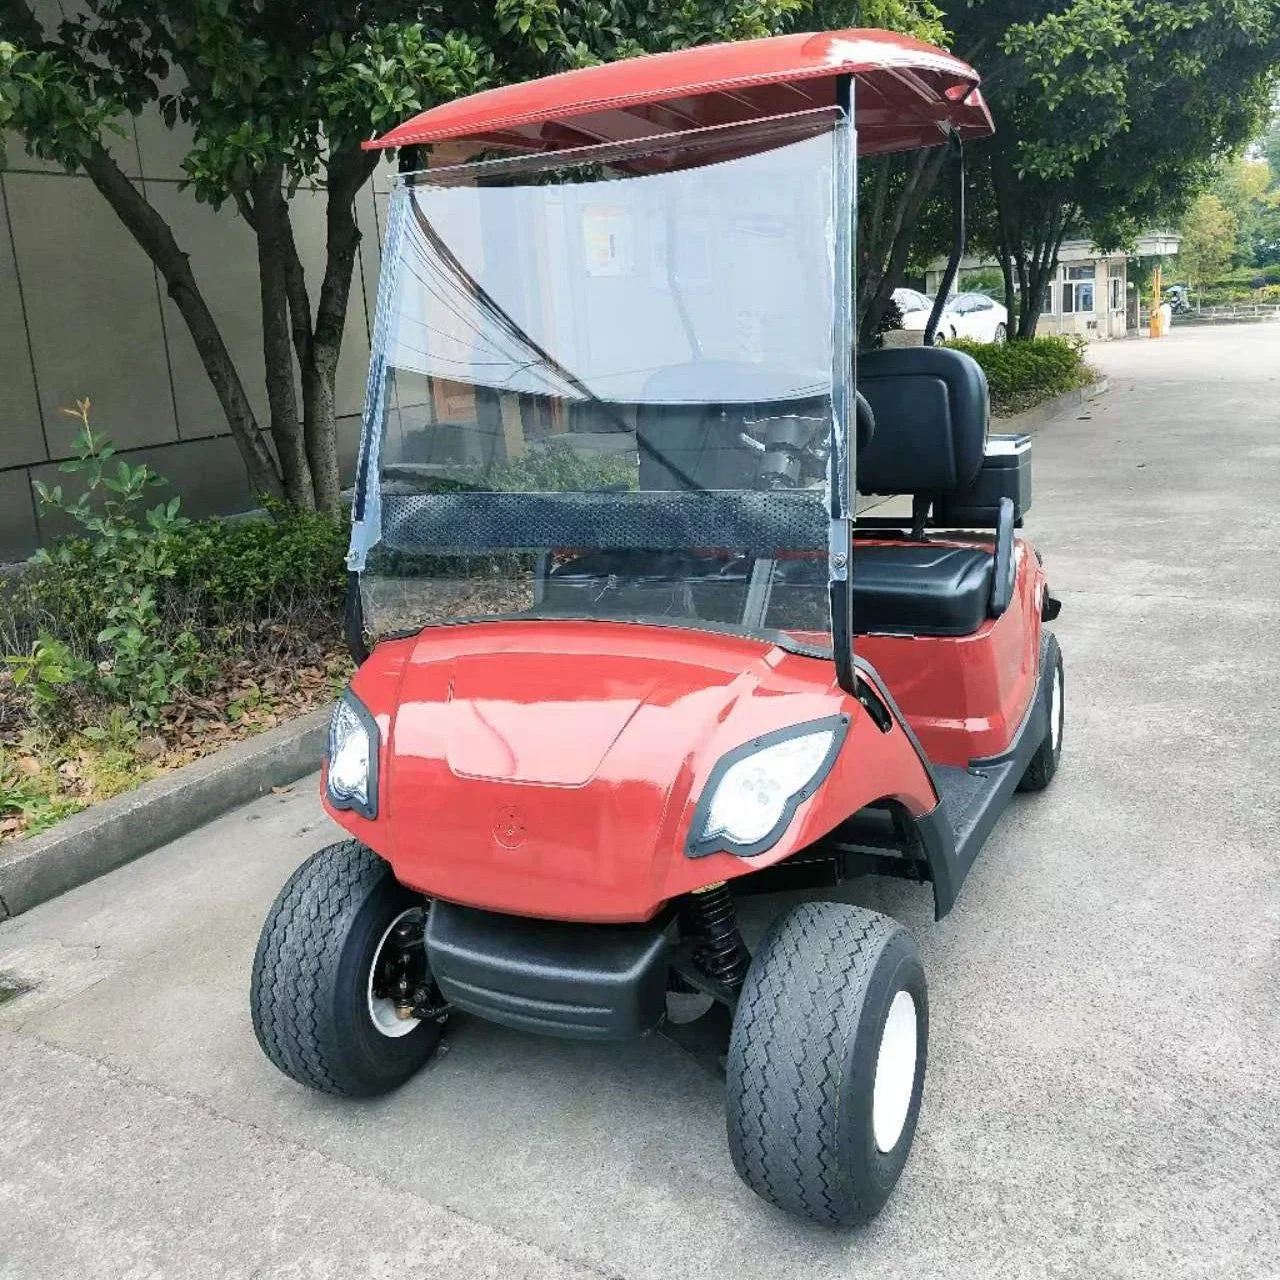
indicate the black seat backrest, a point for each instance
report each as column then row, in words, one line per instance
column 932, row 409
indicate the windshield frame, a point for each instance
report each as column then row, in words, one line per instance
column 757, row 136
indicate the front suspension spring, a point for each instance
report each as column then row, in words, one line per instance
column 719, row 951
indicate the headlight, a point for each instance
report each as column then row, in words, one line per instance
column 754, row 791
column 352, row 779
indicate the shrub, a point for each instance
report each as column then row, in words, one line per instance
column 557, row 467
column 143, row 604
column 1022, row 374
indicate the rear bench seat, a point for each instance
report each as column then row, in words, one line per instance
column 932, row 409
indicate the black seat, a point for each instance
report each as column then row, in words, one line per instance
column 932, row 410
column 920, row 589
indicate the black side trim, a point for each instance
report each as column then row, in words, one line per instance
column 370, row 810
column 579, row 981
column 874, row 704
column 872, row 676
column 698, row 848
column 971, row 800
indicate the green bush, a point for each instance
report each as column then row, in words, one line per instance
column 555, row 466
column 254, row 567
column 1246, row 276
column 145, row 604
column 1022, row 374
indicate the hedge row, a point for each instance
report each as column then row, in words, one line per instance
column 1024, row 374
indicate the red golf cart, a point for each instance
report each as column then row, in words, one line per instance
column 626, row 654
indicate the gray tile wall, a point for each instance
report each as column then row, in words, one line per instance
column 83, row 314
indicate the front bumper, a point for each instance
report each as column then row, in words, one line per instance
column 579, row 981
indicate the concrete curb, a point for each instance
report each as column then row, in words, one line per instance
column 106, row 836
column 1032, row 419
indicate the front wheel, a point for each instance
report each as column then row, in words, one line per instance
column 1001, row 334
column 339, row 972
column 826, row 1064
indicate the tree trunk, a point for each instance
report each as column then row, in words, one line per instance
column 155, row 238
column 348, row 171
column 888, row 252
column 1043, row 267
column 270, row 212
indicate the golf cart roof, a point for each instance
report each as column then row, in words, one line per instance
column 909, row 95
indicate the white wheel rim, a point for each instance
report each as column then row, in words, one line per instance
column 895, row 1073
column 1055, row 711
column 382, row 1009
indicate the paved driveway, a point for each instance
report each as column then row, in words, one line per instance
column 1103, row 1096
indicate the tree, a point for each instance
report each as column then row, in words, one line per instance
column 1270, row 142
column 1109, row 113
column 1243, row 186
column 280, row 94
column 1208, row 240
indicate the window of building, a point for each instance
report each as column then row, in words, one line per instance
column 1077, row 291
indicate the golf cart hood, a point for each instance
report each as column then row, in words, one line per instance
column 539, row 767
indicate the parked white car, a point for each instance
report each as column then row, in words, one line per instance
column 977, row 317
column 916, row 308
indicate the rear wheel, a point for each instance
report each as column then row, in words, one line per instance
column 826, row 1063
column 1001, row 334
column 339, row 971
column 1044, row 764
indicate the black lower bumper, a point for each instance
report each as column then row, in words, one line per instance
column 581, row 981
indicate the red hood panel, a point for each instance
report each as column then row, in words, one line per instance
column 537, row 759
column 542, row 720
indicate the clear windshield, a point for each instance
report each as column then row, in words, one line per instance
column 605, row 389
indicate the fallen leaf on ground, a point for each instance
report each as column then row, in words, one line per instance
column 281, row 791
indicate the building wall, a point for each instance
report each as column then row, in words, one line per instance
column 84, row 314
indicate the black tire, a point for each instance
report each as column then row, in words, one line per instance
column 802, row 1063
column 1001, row 334
column 1044, row 764
column 309, row 993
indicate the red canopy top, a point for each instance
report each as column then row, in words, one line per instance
column 908, row 95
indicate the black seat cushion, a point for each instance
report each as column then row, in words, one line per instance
column 931, row 408
column 921, row 590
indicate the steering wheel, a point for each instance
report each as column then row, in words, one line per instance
column 865, row 422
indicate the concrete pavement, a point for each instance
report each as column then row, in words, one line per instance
column 1103, row 1096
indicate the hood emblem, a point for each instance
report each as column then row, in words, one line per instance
column 509, row 827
